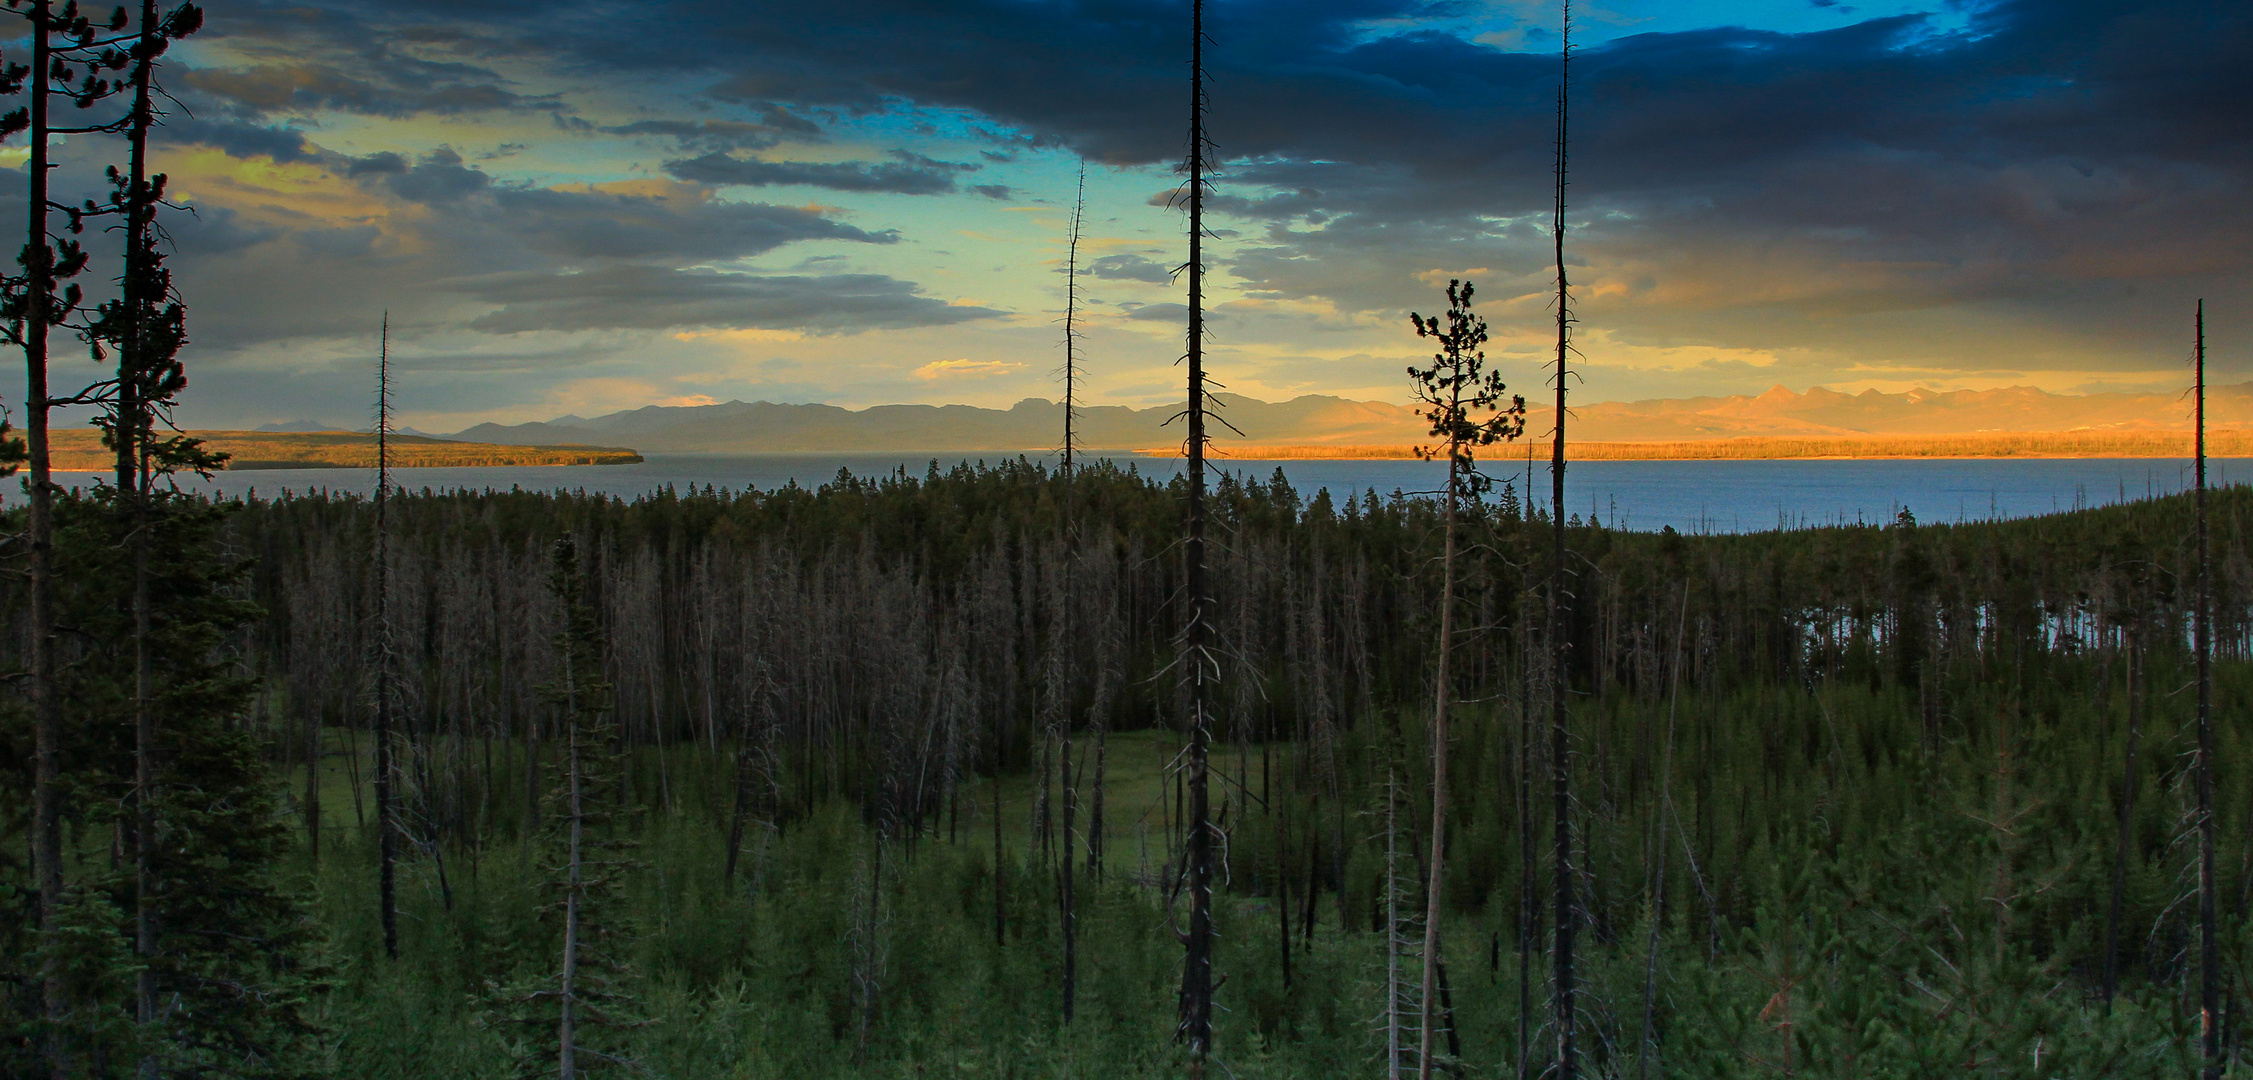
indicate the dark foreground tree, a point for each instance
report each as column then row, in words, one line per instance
column 145, row 325
column 193, row 958
column 198, row 958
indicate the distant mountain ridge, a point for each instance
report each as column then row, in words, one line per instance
column 1034, row 424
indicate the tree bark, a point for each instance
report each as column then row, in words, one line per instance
column 46, row 704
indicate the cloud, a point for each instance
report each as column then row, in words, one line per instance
column 641, row 297
column 317, row 249
column 2008, row 182
column 675, row 224
column 719, row 135
column 647, row 221
column 1128, row 266
column 238, row 138
column 396, row 86
column 1162, row 313
column 911, row 174
column 964, row 369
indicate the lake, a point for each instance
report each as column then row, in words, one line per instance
column 1691, row 496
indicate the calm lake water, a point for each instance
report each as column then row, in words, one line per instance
column 1692, row 496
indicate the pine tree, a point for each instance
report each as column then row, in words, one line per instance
column 1463, row 400
column 33, row 310
column 146, row 327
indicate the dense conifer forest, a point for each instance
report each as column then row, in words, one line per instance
column 1852, row 801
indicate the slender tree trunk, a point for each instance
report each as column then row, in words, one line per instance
column 742, row 810
column 1529, row 889
column 1658, row 874
column 387, row 814
column 531, row 772
column 1283, row 901
column 1066, row 864
column 130, row 433
column 1000, row 909
column 1095, row 803
column 144, row 780
column 1447, row 1021
column 46, row 704
column 1566, row 1017
column 1065, row 867
column 566, row 1050
column 1393, row 1048
column 1071, row 328
column 1197, row 970
column 2209, row 947
column 1432, row 890
column 2127, row 821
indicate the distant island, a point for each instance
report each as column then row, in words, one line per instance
column 82, row 451
column 2006, row 422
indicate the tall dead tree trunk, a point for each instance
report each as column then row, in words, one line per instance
column 1071, row 328
column 1065, row 867
column 1529, row 887
column 1560, row 737
column 387, row 815
column 575, row 805
column 1000, row 905
column 1066, row 613
column 2209, row 947
column 1197, row 664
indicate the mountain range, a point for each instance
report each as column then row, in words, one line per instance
column 1034, row 424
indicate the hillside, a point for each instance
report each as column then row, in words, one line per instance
column 1314, row 422
column 81, row 450
column 1030, row 425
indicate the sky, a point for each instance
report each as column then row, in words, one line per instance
column 575, row 207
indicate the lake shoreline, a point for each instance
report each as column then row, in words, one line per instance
column 1980, row 446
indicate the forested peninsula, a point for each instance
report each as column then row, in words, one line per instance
column 82, row 449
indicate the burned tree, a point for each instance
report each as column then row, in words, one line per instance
column 1560, row 731
column 1197, row 666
